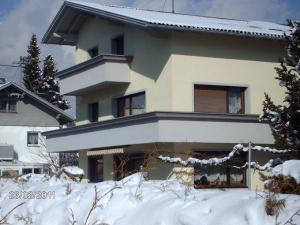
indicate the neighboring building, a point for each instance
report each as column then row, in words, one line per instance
column 147, row 80
column 23, row 116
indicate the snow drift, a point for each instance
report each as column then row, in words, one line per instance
column 135, row 201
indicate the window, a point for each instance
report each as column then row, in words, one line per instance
column 214, row 99
column 32, row 138
column 117, row 45
column 96, row 169
column 26, row 171
column 220, row 176
column 131, row 104
column 93, row 112
column 37, row 171
column 8, row 105
column 93, row 52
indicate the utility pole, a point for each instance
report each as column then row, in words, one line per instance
column 173, row 7
column 249, row 166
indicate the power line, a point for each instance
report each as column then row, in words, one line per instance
column 173, row 6
column 5, row 65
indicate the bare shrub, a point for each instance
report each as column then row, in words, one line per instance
column 273, row 205
column 68, row 189
column 26, row 219
column 282, row 184
column 3, row 220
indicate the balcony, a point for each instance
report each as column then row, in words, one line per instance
column 96, row 73
column 161, row 127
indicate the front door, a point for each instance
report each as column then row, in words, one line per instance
column 96, row 169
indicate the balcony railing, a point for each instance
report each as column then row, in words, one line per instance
column 99, row 72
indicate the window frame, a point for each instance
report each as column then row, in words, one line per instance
column 130, row 97
column 226, row 166
column 224, row 87
column 90, row 112
column 38, row 136
column 113, row 39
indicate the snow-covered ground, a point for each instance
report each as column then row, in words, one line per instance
column 134, row 201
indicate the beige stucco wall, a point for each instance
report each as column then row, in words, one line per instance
column 150, row 68
column 167, row 66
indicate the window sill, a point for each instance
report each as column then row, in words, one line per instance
column 33, row 145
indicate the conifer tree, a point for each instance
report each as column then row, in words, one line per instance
column 30, row 65
column 285, row 119
column 49, row 87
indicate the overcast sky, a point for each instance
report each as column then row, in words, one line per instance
column 19, row 19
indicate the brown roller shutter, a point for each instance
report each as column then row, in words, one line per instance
column 210, row 99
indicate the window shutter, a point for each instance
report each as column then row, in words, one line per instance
column 210, row 99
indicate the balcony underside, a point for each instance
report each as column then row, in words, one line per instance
column 99, row 72
column 161, row 127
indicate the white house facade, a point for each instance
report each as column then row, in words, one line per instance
column 23, row 117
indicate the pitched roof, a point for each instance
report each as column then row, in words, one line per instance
column 66, row 117
column 73, row 13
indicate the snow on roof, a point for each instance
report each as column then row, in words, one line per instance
column 190, row 22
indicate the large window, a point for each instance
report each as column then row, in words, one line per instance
column 215, row 99
column 8, row 105
column 93, row 112
column 32, row 138
column 131, row 104
column 117, row 45
column 223, row 175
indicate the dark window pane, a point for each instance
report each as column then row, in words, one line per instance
column 138, row 104
column 3, row 104
column 93, row 112
column 32, row 138
column 37, row 170
column 96, row 169
column 26, row 171
column 12, row 106
column 121, row 107
column 117, row 45
column 234, row 100
column 131, row 105
column 93, row 52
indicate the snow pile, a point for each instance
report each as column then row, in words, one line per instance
column 73, row 170
column 289, row 168
column 136, row 201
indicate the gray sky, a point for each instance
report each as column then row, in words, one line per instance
column 21, row 18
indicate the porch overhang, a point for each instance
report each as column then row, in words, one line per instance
column 161, row 127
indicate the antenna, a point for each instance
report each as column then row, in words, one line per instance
column 173, row 8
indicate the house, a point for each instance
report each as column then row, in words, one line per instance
column 23, row 116
column 148, row 81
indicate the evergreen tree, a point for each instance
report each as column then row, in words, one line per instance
column 49, row 87
column 30, row 64
column 285, row 119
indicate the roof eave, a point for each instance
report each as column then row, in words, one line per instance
column 85, row 9
column 67, row 117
